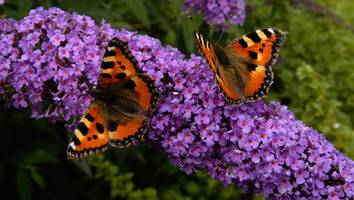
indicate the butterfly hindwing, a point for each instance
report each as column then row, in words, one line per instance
column 90, row 137
column 128, row 133
column 132, row 131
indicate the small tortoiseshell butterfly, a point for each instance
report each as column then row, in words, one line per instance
column 243, row 68
column 124, row 99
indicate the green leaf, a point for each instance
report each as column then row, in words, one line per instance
column 139, row 10
column 150, row 193
column 189, row 26
column 159, row 17
column 84, row 167
column 24, row 5
column 192, row 188
column 171, row 37
column 40, row 156
column 37, row 178
column 93, row 8
column 24, row 188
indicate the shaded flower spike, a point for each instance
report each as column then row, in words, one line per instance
column 219, row 12
column 50, row 60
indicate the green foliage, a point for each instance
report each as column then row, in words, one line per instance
column 167, row 183
column 314, row 77
column 321, row 107
column 23, row 184
column 121, row 184
column 138, row 8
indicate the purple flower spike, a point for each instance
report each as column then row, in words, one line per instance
column 261, row 148
column 50, row 59
column 219, row 12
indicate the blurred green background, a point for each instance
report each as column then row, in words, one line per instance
column 314, row 77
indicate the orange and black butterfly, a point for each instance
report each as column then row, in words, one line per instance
column 124, row 99
column 243, row 68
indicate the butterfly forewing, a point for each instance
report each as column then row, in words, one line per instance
column 90, row 137
column 118, row 64
column 205, row 46
column 260, row 47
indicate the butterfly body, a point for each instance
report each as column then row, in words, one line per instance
column 118, row 102
column 243, row 68
column 123, row 101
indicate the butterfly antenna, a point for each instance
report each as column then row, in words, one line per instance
column 224, row 28
column 202, row 30
column 222, row 34
column 198, row 66
column 196, row 70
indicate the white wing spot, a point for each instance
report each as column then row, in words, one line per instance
column 270, row 30
column 72, row 145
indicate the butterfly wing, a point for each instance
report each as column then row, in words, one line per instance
column 118, row 64
column 90, row 137
column 206, row 47
column 258, row 51
column 120, row 71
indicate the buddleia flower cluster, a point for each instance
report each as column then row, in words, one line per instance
column 219, row 13
column 49, row 62
column 51, row 59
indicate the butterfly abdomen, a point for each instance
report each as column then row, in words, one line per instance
column 103, row 97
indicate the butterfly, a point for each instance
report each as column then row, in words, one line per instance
column 243, row 69
column 124, row 99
